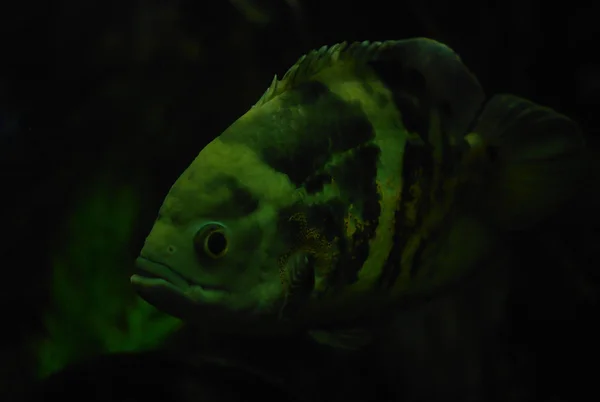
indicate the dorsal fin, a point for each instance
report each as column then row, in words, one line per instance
column 448, row 80
column 309, row 65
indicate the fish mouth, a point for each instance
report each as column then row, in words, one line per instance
column 152, row 274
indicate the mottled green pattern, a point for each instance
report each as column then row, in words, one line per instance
column 362, row 174
column 413, row 205
column 300, row 136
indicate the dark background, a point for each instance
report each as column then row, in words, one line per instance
column 140, row 87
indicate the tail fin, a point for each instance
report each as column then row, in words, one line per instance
column 531, row 160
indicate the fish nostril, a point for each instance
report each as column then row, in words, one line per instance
column 171, row 249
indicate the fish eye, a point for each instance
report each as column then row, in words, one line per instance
column 211, row 240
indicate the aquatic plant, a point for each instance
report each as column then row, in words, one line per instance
column 93, row 310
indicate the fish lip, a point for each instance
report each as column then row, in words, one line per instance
column 153, row 272
column 149, row 269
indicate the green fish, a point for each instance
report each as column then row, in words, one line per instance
column 373, row 175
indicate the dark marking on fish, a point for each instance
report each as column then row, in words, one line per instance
column 299, row 137
column 357, row 181
column 328, row 218
column 392, row 265
column 310, row 93
column 448, row 154
column 241, row 201
column 417, row 171
column 417, row 260
column 245, row 202
column 409, row 92
column 418, row 105
column 315, row 184
column 289, row 230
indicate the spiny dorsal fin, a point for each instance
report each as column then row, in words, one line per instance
column 316, row 60
column 448, row 81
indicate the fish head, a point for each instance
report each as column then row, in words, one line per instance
column 212, row 254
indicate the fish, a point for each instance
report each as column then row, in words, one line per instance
column 372, row 176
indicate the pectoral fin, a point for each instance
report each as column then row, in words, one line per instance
column 300, row 284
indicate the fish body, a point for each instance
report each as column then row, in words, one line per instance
column 371, row 175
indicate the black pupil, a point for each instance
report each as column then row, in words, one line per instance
column 216, row 243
